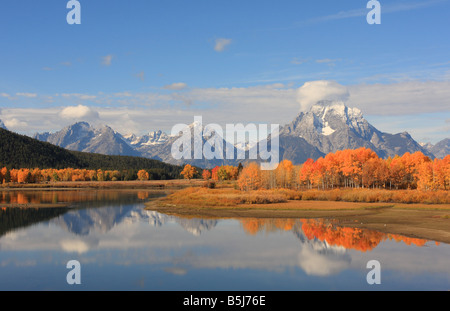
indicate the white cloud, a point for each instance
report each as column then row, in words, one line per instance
column 175, row 86
column 107, row 60
column 403, row 98
column 80, row 96
column 221, row 44
column 4, row 95
column 298, row 61
column 29, row 95
column 409, row 102
column 323, row 262
column 314, row 91
column 386, row 8
column 74, row 246
column 80, row 112
column 123, row 94
column 140, row 75
column 14, row 123
column 325, row 60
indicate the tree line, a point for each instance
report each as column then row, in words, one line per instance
column 23, row 157
column 359, row 168
column 36, row 175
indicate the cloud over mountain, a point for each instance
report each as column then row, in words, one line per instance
column 315, row 91
column 79, row 112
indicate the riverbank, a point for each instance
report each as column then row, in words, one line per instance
column 425, row 221
column 132, row 184
column 189, row 199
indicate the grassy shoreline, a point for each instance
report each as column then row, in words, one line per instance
column 132, row 184
column 429, row 224
column 415, row 220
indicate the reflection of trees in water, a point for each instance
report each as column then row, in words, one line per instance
column 81, row 197
column 324, row 243
column 254, row 225
column 101, row 210
column 16, row 218
column 327, row 231
column 92, row 209
column 318, row 257
column 351, row 238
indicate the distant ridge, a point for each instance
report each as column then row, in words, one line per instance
column 328, row 126
column 81, row 136
column 20, row 151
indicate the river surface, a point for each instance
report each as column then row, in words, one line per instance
column 121, row 246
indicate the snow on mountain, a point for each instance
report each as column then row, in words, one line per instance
column 81, row 136
column 153, row 138
column 327, row 127
column 331, row 125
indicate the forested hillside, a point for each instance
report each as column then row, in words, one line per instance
column 19, row 151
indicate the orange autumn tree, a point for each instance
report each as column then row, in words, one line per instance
column 206, row 175
column 362, row 168
column 189, row 172
column 227, row 172
column 305, row 173
column 215, row 173
column 442, row 172
column 284, row 174
column 250, row 177
column 4, row 173
column 143, row 175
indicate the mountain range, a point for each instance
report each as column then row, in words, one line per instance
column 83, row 137
column 327, row 126
column 21, row 151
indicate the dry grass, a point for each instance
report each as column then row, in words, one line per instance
column 131, row 184
column 378, row 196
column 203, row 197
column 287, row 198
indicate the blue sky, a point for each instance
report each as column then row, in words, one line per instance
column 145, row 65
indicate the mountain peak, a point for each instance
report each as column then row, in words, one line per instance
column 2, row 125
column 81, row 136
column 81, row 124
column 332, row 125
column 337, row 108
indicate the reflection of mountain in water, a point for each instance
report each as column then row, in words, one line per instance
column 85, row 221
column 153, row 218
column 317, row 257
column 193, row 225
column 103, row 219
column 102, row 215
column 196, row 225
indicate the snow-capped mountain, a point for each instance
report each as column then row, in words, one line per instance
column 330, row 126
column 327, row 127
column 196, row 157
column 151, row 139
column 83, row 137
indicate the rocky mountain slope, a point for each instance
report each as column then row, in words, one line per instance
column 327, row 126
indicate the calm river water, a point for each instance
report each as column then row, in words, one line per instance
column 121, row 246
